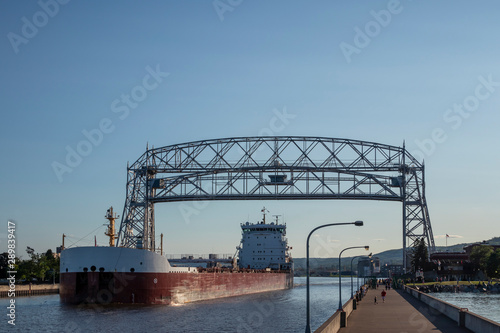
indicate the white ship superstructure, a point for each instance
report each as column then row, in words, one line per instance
column 264, row 246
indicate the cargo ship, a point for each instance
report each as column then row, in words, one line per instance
column 112, row 274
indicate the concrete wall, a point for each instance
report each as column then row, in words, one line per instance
column 470, row 320
column 332, row 325
column 480, row 324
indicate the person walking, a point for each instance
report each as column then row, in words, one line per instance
column 383, row 293
column 375, row 300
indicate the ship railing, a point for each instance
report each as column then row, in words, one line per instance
column 240, row 270
column 191, row 256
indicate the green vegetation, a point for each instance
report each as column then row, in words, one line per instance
column 420, row 255
column 480, row 255
column 38, row 268
column 493, row 264
column 484, row 258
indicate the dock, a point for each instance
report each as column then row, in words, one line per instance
column 405, row 310
column 400, row 312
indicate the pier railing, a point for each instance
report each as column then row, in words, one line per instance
column 461, row 316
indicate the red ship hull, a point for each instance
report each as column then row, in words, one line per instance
column 166, row 288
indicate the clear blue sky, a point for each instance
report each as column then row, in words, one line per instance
column 380, row 71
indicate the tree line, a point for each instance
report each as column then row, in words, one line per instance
column 40, row 267
column 482, row 258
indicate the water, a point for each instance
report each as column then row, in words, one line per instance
column 277, row 311
column 485, row 305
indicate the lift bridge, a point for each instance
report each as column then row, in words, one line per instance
column 274, row 168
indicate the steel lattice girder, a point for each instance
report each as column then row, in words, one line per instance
column 273, row 167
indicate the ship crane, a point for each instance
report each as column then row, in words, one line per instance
column 110, row 232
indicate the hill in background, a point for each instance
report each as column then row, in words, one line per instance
column 394, row 257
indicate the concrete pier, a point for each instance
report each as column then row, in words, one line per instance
column 399, row 313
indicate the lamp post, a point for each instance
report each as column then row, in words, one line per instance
column 308, row 312
column 340, row 275
column 352, row 291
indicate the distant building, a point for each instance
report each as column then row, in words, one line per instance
column 388, row 270
column 451, row 265
column 455, row 265
column 368, row 266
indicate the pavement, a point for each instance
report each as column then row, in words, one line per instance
column 401, row 313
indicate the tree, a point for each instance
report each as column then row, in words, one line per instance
column 4, row 257
column 479, row 256
column 39, row 266
column 52, row 263
column 420, row 255
column 493, row 264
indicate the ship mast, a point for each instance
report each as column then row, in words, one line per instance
column 110, row 232
column 264, row 215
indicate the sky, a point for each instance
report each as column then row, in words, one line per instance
column 118, row 76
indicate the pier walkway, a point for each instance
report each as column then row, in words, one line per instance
column 400, row 313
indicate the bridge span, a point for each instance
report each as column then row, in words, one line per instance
column 277, row 167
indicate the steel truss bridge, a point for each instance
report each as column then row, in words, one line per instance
column 269, row 168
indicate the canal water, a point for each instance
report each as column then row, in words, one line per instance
column 277, row 311
column 485, row 305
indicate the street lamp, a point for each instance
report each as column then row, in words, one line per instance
column 308, row 312
column 352, row 291
column 366, row 247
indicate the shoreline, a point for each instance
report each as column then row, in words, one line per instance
column 467, row 287
column 24, row 290
column 20, row 287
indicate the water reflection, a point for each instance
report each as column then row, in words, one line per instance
column 277, row 311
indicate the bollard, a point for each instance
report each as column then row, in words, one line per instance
column 342, row 318
column 461, row 317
